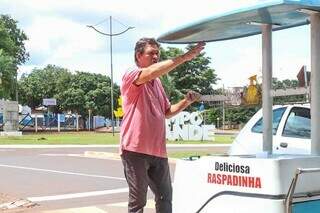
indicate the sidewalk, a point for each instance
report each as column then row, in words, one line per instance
column 30, row 207
column 109, row 208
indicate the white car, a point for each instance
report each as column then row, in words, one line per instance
column 291, row 132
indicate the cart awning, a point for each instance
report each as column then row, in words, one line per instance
column 281, row 14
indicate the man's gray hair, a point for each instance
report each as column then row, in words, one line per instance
column 141, row 44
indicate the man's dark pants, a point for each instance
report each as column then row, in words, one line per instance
column 141, row 171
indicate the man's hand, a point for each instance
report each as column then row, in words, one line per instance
column 189, row 98
column 192, row 96
column 194, row 52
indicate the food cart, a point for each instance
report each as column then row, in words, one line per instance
column 264, row 182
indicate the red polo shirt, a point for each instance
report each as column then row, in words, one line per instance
column 143, row 124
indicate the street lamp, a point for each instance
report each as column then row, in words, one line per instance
column 111, row 35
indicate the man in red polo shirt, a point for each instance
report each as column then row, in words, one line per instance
column 143, row 141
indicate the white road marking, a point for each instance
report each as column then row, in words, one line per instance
column 61, row 155
column 61, row 172
column 77, row 195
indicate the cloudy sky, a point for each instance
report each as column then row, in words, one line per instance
column 58, row 34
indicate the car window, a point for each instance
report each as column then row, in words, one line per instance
column 298, row 123
column 277, row 115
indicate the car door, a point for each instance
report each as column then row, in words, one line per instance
column 294, row 135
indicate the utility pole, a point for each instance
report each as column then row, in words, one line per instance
column 111, row 64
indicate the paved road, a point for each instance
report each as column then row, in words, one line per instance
column 60, row 178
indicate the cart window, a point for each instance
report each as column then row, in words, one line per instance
column 298, row 123
column 277, row 115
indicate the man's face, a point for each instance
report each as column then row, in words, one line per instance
column 149, row 56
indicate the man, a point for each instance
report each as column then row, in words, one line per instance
column 145, row 105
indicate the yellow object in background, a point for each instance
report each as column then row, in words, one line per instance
column 119, row 112
column 252, row 95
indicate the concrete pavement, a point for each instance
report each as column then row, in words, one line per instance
column 109, row 208
column 116, row 207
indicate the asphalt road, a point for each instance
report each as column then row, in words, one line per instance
column 60, row 178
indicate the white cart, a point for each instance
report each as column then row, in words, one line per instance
column 247, row 184
column 266, row 182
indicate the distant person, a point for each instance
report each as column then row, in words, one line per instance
column 143, row 141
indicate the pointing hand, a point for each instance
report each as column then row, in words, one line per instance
column 194, row 52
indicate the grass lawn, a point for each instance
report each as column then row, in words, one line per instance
column 62, row 138
column 90, row 138
column 187, row 154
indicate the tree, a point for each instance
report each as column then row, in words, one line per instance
column 171, row 91
column 193, row 75
column 286, row 84
column 233, row 115
column 72, row 99
column 48, row 82
column 97, row 90
column 7, row 80
column 13, row 53
column 13, row 44
column 241, row 114
column 77, row 92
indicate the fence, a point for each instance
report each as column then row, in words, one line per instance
column 58, row 122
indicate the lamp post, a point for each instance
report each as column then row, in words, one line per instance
column 111, row 65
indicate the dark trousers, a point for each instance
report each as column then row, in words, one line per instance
column 141, row 171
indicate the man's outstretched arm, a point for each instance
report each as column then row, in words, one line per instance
column 161, row 68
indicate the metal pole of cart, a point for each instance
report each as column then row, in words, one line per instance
column 315, row 83
column 266, row 87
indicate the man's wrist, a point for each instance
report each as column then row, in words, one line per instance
column 188, row 102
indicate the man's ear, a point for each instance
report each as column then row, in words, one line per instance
column 138, row 55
